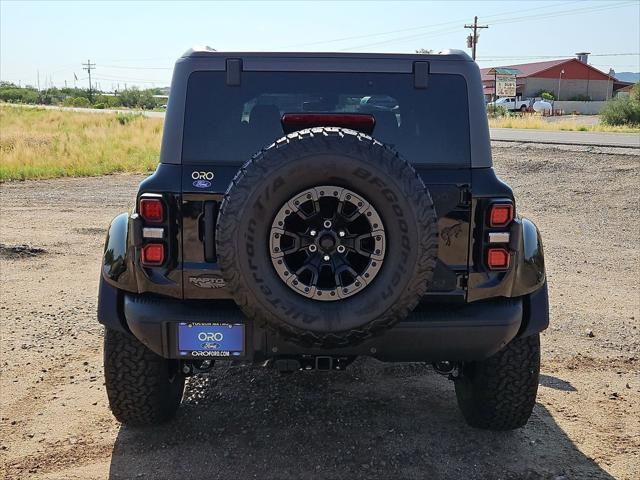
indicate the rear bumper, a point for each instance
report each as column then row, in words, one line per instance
column 434, row 332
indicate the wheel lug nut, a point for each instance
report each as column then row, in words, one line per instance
column 326, row 258
column 341, row 249
column 313, row 233
column 327, row 224
column 341, row 233
column 312, row 248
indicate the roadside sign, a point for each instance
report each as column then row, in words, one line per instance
column 505, row 85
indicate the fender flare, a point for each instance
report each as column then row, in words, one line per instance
column 117, row 274
column 530, row 280
column 117, row 260
column 529, row 272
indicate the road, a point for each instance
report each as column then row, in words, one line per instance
column 601, row 139
column 372, row 421
column 146, row 113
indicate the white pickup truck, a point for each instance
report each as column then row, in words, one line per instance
column 511, row 103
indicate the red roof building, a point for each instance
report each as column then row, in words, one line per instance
column 566, row 79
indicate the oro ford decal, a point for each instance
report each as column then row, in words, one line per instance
column 202, row 179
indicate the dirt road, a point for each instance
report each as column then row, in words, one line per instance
column 373, row 421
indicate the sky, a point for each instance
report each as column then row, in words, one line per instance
column 136, row 43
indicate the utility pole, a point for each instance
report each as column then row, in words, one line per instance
column 472, row 39
column 88, row 67
column 38, row 72
column 559, row 80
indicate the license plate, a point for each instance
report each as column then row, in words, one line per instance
column 210, row 339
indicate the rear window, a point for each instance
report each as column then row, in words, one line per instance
column 228, row 124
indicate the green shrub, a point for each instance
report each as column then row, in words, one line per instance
column 545, row 95
column 496, row 111
column 124, row 118
column 580, row 98
column 623, row 110
column 81, row 102
column 99, row 106
column 113, row 102
column 635, row 93
column 16, row 94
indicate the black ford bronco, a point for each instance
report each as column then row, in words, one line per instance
column 312, row 208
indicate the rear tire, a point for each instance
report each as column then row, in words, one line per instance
column 143, row 388
column 499, row 393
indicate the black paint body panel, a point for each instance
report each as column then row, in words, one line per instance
column 460, row 333
column 461, row 198
column 527, row 273
column 468, row 313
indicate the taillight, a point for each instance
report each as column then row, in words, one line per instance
column 498, row 258
column 500, row 215
column 151, row 210
column 153, row 254
column 362, row 122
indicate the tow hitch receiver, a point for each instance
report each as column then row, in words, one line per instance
column 311, row 362
column 324, row 363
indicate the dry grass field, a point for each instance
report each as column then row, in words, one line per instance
column 39, row 143
column 584, row 123
column 46, row 143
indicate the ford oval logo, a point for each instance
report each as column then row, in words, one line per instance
column 202, row 184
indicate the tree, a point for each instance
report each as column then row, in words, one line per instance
column 623, row 110
column 424, row 51
column 545, row 95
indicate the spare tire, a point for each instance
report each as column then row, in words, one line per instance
column 327, row 236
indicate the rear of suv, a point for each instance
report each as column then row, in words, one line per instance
column 312, row 208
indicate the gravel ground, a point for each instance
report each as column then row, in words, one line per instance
column 373, row 421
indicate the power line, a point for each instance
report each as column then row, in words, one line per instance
column 420, row 27
column 137, row 68
column 508, row 57
column 500, row 21
column 357, row 37
column 562, row 13
column 617, row 66
column 125, row 60
column 472, row 41
column 405, row 38
column 614, row 54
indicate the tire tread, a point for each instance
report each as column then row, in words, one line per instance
column 249, row 177
column 499, row 393
column 140, row 387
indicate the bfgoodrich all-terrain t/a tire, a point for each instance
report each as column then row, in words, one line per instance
column 327, row 164
column 143, row 388
column 499, row 393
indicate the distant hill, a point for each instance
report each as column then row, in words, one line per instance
column 628, row 76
